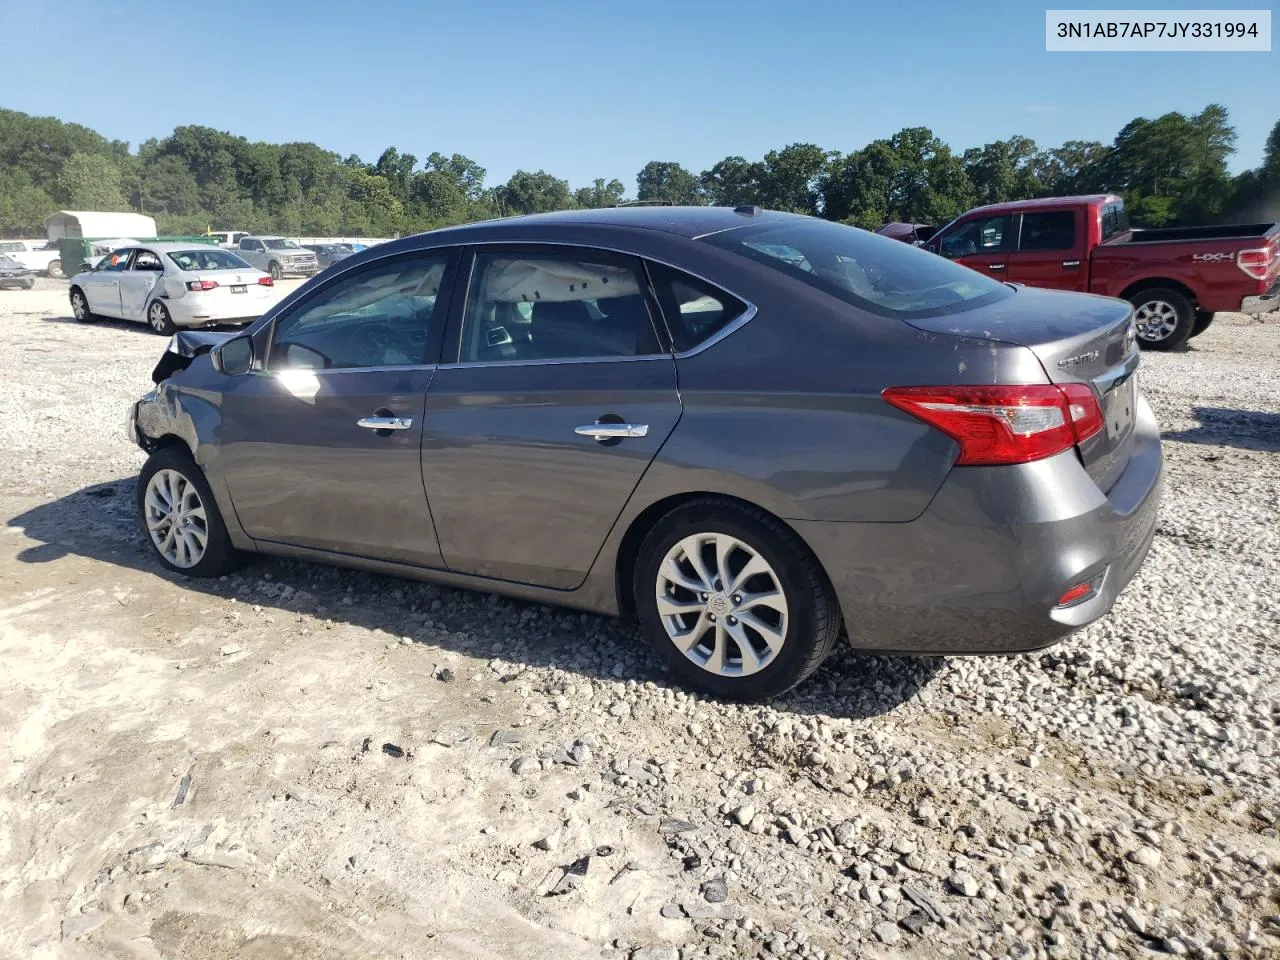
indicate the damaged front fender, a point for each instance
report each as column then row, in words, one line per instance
column 184, row 346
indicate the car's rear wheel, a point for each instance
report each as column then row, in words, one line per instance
column 273, row 268
column 1203, row 319
column 733, row 600
column 80, row 306
column 1163, row 318
column 55, row 269
column 158, row 319
column 180, row 518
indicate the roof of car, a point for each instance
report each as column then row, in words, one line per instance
column 1012, row 206
column 172, row 246
column 682, row 221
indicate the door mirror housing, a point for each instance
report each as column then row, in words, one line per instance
column 234, row 357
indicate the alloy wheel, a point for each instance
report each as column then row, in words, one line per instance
column 722, row 604
column 176, row 518
column 1155, row 320
column 78, row 306
column 157, row 318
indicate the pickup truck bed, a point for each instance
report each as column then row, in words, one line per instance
column 1176, row 278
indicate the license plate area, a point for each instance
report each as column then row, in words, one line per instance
column 239, row 288
column 1119, row 405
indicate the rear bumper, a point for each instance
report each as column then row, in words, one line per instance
column 1264, row 303
column 235, row 309
column 982, row 569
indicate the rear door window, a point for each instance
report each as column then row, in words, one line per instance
column 695, row 311
column 1053, row 230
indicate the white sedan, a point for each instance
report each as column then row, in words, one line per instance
column 172, row 285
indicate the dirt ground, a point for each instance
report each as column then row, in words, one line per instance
column 302, row 762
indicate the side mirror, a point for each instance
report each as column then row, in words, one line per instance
column 233, row 357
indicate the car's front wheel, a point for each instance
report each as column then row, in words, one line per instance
column 180, row 518
column 273, row 268
column 55, row 269
column 733, row 600
column 80, row 306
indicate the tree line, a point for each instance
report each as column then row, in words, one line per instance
column 1171, row 171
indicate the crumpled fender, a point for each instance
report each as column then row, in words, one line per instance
column 184, row 346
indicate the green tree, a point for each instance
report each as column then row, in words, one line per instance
column 733, row 182
column 601, row 193
column 1004, row 170
column 23, row 205
column 533, row 193
column 666, row 181
column 91, row 182
column 790, row 179
column 1255, row 195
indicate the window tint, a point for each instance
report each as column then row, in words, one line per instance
column 379, row 317
column 695, row 311
column 875, row 273
column 1115, row 219
column 545, row 307
column 988, row 235
column 146, row 260
column 1055, row 230
column 12, row 246
column 250, row 245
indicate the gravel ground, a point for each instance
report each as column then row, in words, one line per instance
column 306, row 762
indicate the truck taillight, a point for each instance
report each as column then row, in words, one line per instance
column 1003, row 425
column 265, row 282
column 201, row 284
column 1255, row 263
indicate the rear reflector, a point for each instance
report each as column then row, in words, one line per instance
column 202, row 284
column 1255, row 263
column 1007, row 424
column 1080, row 593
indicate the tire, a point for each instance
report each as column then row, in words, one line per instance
column 808, row 626
column 80, row 306
column 1164, row 318
column 55, row 269
column 179, row 553
column 1203, row 319
column 273, row 268
column 158, row 319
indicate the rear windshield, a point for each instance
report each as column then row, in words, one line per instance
column 9, row 263
column 210, row 258
column 872, row 272
column 281, row 245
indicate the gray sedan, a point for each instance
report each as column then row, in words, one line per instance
column 754, row 431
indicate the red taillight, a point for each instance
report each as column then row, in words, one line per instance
column 1255, row 263
column 201, row 284
column 1013, row 424
column 265, row 282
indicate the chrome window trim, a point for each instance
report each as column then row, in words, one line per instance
column 408, row 368
column 737, row 323
column 468, row 364
column 732, row 326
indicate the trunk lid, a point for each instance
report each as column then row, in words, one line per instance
column 1078, row 338
column 239, row 283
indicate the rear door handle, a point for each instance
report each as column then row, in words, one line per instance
column 385, row 423
column 612, row 431
column 995, row 267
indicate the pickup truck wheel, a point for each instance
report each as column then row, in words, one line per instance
column 1164, row 318
column 273, row 268
column 55, row 269
column 1203, row 319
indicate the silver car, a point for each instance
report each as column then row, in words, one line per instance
column 278, row 256
column 753, row 431
column 172, row 285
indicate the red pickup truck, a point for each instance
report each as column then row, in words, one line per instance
column 1175, row 278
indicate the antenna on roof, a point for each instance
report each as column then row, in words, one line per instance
column 645, row 203
column 749, row 210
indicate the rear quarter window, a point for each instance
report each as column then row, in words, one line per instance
column 871, row 272
column 695, row 310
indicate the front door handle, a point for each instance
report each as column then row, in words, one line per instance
column 385, row 423
column 995, row 267
column 612, row 431
column 1070, row 264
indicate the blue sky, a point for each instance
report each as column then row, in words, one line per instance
column 587, row 90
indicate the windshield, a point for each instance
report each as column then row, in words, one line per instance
column 281, row 245
column 210, row 258
column 872, row 272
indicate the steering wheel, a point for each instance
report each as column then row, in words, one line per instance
column 376, row 342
